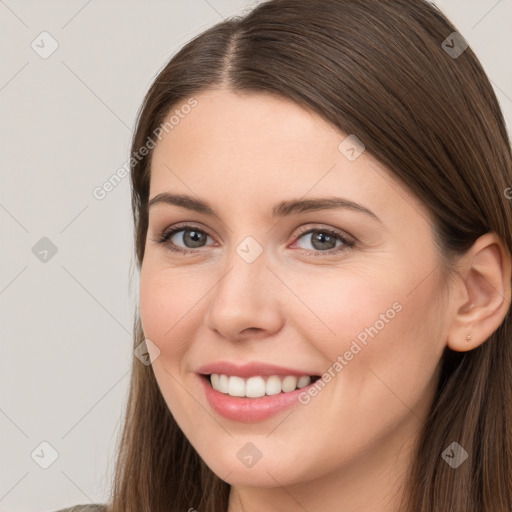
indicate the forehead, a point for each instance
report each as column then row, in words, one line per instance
column 243, row 127
column 261, row 148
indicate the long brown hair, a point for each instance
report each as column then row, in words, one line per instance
column 377, row 69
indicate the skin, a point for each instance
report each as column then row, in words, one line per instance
column 352, row 444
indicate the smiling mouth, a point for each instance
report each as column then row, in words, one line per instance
column 258, row 386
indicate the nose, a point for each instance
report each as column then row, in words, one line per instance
column 244, row 303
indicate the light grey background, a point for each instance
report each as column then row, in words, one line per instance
column 66, row 124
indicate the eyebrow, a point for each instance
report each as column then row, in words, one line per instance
column 280, row 209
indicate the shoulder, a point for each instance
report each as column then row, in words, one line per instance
column 96, row 507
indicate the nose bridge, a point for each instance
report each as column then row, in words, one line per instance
column 246, row 269
column 242, row 297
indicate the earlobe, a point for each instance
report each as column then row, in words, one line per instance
column 485, row 273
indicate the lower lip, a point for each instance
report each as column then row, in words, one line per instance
column 249, row 410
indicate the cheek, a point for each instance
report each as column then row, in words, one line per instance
column 166, row 309
column 343, row 305
column 170, row 321
column 378, row 320
column 154, row 306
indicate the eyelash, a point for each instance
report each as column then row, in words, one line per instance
column 166, row 234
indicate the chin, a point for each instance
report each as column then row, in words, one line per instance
column 265, row 472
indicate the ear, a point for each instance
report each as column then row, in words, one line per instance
column 482, row 294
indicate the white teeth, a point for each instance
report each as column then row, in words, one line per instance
column 273, row 386
column 236, row 386
column 289, row 383
column 223, row 383
column 255, row 387
column 303, row 381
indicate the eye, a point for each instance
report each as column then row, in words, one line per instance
column 191, row 236
column 325, row 241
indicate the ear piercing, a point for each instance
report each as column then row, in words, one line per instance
column 468, row 337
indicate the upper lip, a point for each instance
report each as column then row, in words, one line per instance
column 251, row 369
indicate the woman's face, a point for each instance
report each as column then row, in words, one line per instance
column 269, row 282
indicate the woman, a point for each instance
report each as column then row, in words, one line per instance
column 323, row 228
